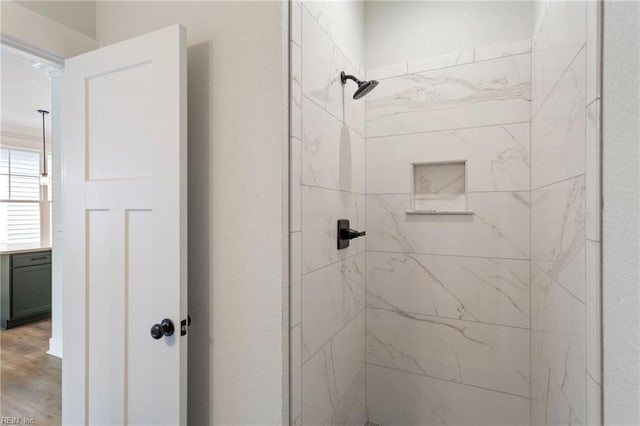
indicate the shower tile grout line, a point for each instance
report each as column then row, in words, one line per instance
column 472, row 62
column 334, row 189
column 449, row 129
column 402, row 311
column 328, row 341
column 519, row 259
column 555, row 281
column 303, row 4
column 332, row 115
column 557, row 182
column 468, row 192
column 333, row 263
column 449, row 381
column 531, row 83
column 535, row 113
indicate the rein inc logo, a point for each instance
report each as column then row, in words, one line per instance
column 12, row 420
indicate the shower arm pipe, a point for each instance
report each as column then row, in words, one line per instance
column 344, row 77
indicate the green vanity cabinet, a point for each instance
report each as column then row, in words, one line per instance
column 25, row 293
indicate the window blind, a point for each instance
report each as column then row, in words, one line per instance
column 20, row 195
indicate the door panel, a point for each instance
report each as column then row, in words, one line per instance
column 123, row 95
column 124, row 215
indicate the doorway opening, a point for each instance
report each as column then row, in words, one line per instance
column 30, row 276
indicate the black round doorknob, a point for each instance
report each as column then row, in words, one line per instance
column 165, row 328
column 156, row 331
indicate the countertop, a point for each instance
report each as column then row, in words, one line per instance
column 23, row 248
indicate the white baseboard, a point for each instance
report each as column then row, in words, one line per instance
column 55, row 347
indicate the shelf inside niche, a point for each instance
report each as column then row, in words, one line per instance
column 438, row 212
column 439, row 188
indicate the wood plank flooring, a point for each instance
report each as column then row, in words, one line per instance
column 30, row 379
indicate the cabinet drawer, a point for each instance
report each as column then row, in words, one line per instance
column 30, row 259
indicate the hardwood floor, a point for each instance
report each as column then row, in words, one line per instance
column 30, row 379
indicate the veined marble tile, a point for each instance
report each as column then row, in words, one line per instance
column 321, row 209
column 322, row 63
column 499, row 227
column 296, row 91
column 295, row 126
column 331, row 297
column 296, row 64
column 387, row 71
column 593, row 49
column 295, row 278
column 549, row 406
column 558, row 339
column 487, row 290
column 594, row 402
column 343, row 21
column 332, row 154
column 540, row 371
column 296, row 372
column 296, row 22
column 443, row 61
column 484, row 93
column 399, row 398
column 592, row 173
column 351, row 410
column 503, row 49
column 593, row 306
column 354, row 109
column 560, row 36
column 295, row 165
column 497, row 157
column 327, row 376
column 490, row 356
column 558, row 233
column 558, row 130
column 539, row 13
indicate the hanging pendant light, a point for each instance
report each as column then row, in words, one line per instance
column 44, row 177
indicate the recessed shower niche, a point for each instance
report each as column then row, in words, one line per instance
column 439, row 188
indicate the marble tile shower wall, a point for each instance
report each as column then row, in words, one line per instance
column 327, row 294
column 448, row 296
column 487, row 319
column 565, row 218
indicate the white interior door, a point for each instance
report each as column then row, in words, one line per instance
column 123, row 137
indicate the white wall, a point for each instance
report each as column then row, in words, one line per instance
column 79, row 15
column 621, row 223
column 237, row 64
column 400, row 31
column 238, row 180
column 37, row 30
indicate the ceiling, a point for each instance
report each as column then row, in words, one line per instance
column 24, row 90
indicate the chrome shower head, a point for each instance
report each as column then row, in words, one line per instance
column 364, row 87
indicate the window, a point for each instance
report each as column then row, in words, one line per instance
column 20, row 200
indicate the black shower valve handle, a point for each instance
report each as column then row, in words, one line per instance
column 345, row 234
column 350, row 234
